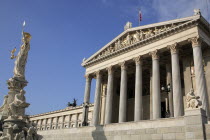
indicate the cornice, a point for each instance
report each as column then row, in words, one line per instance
column 144, row 42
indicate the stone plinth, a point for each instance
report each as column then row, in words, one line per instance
column 194, row 124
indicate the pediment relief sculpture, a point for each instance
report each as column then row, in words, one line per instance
column 133, row 37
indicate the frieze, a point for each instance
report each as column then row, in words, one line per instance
column 134, row 37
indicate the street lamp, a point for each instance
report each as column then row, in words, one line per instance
column 167, row 89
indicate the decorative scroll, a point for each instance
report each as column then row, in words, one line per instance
column 154, row 54
column 123, row 65
column 137, row 60
column 196, row 41
column 173, row 48
column 110, row 70
column 135, row 37
column 98, row 74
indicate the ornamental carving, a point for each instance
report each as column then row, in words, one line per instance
column 196, row 41
column 134, row 37
column 137, row 60
column 98, row 74
column 173, row 48
column 154, row 54
column 87, row 76
column 110, row 70
column 123, row 65
column 192, row 100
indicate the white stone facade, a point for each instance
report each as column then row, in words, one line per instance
column 131, row 71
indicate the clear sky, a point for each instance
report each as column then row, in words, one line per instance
column 63, row 33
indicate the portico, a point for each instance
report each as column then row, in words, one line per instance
column 158, row 50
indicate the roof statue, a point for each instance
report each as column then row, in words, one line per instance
column 197, row 12
column 128, row 25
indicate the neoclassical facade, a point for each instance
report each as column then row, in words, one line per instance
column 174, row 55
column 152, row 82
column 69, row 117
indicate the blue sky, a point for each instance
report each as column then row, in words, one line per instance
column 63, row 33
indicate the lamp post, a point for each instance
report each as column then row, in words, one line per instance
column 167, row 89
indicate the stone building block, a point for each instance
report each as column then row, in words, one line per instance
column 140, row 131
column 193, row 128
column 169, row 136
column 130, row 132
column 157, row 136
column 151, row 131
column 189, row 135
column 162, row 130
column 146, row 137
column 135, row 137
column 117, row 138
column 199, row 135
column 180, row 136
column 126, row 137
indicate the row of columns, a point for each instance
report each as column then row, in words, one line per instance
column 175, row 96
column 56, row 122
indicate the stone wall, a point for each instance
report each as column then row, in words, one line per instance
column 192, row 126
column 145, row 130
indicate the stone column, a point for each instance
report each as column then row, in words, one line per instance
column 69, row 123
column 170, row 93
column 138, row 113
column 200, row 80
column 123, row 93
column 45, row 125
column 86, row 99
column 108, row 113
column 63, row 121
column 51, row 123
column 76, row 123
column 150, row 98
column 56, row 122
column 156, row 105
column 176, row 78
column 95, row 120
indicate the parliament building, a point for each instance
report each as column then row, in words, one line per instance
column 152, row 82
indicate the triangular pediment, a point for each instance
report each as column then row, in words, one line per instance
column 135, row 35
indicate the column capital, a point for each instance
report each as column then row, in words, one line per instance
column 98, row 74
column 174, row 48
column 123, row 65
column 196, row 41
column 110, row 69
column 154, row 54
column 87, row 76
column 137, row 60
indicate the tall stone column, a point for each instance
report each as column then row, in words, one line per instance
column 200, row 80
column 138, row 113
column 51, row 123
column 123, row 93
column 156, row 105
column 176, row 80
column 108, row 113
column 76, row 123
column 95, row 120
column 170, row 93
column 69, row 123
column 150, row 98
column 56, row 122
column 86, row 100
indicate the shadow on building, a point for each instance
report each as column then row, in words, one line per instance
column 98, row 133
